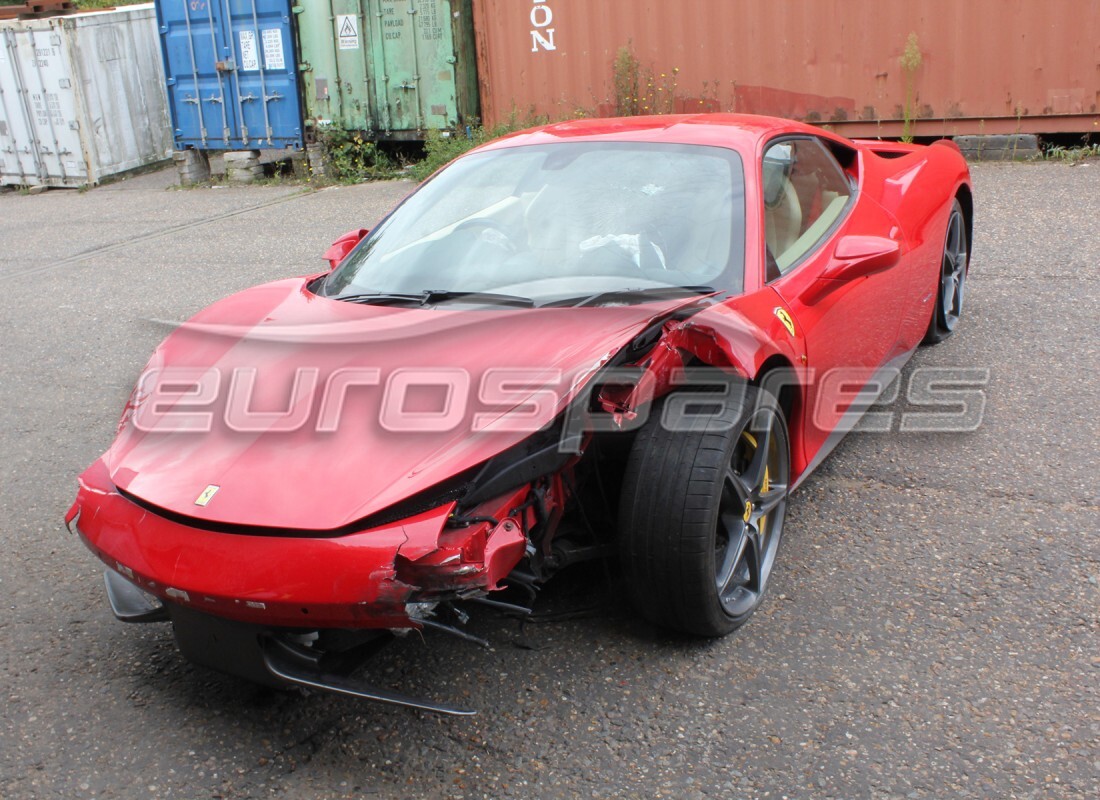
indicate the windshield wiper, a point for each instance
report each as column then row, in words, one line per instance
column 649, row 294
column 431, row 296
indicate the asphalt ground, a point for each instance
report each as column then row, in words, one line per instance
column 931, row 629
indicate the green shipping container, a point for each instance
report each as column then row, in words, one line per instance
column 394, row 69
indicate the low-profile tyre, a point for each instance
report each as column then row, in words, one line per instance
column 702, row 513
column 952, row 279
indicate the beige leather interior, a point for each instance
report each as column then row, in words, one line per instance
column 808, row 239
column 783, row 222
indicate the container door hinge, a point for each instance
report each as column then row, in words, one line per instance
column 268, row 98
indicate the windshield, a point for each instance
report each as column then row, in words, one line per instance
column 551, row 223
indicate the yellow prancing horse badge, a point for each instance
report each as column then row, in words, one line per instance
column 785, row 318
column 207, row 495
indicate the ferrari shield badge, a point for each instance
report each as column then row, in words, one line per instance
column 207, row 495
column 785, row 318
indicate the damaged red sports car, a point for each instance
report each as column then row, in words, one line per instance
column 627, row 339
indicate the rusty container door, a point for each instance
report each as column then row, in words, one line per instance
column 334, row 64
column 421, row 52
column 392, row 69
column 993, row 66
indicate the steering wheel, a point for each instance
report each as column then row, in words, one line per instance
column 504, row 240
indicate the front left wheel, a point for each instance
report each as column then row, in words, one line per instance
column 702, row 511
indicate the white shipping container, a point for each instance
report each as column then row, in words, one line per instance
column 82, row 97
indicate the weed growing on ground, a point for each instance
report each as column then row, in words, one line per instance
column 639, row 90
column 1071, row 155
column 351, row 158
column 910, row 62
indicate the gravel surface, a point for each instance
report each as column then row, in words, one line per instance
column 931, row 630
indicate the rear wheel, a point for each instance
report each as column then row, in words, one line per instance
column 952, row 284
column 702, row 514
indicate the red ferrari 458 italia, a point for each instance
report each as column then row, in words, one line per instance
column 618, row 338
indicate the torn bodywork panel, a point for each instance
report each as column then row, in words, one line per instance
column 359, row 580
column 729, row 342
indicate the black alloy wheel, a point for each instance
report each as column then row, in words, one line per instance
column 702, row 512
column 952, row 282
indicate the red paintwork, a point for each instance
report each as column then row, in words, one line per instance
column 317, row 482
column 362, row 468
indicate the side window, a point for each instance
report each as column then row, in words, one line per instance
column 805, row 193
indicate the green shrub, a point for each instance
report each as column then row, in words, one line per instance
column 442, row 147
column 349, row 158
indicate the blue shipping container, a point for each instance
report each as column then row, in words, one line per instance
column 231, row 73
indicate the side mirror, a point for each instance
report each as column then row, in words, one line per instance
column 858, row 256
column 854, row 257
column 344, row 245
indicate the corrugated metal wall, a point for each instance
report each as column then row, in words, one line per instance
column 392, row 68
column 232, row 74
column 81, row 97
column 990, row 66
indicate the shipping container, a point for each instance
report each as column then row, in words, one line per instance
column 864, row 67
column 231, row 74
column 391, row 68
column 81, row 98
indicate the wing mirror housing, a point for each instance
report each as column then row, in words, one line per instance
column 854, row 257
column 858, row 256
column 339, row 249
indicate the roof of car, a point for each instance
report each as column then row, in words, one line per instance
column 736, row 131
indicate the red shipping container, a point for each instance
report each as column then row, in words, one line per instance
column 978, row 66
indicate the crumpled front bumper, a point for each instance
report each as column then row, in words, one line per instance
column 359, row 580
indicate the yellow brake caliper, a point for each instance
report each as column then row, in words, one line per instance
column 748, row 437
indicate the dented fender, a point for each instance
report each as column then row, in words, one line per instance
column 739, row 341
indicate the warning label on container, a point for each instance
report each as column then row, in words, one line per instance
column 249, row 59
column 273, row 49
column 347, row 31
